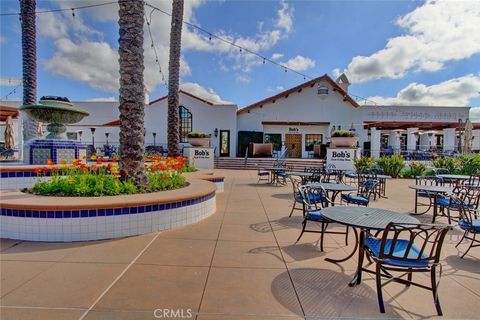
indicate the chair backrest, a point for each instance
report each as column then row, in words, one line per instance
column 427, row 238
column 429, row 181
column 466, row 196
column 296, row 183
column 441, row 171
column 375, row 171
column 313, row 198
column 474, row 180
column 467, row 215
column 366, row 188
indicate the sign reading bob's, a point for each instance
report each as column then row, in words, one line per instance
column 200, row 157
column 341, row 159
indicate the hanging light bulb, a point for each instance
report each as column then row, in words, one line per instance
column 73, row 12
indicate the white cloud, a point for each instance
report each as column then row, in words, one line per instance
column 104, row 99
column 279, row 88
column 453, row 92
column 201, row 92
column 3, row 40
column 475, row 114
column 277, row 56
column 435, row 33
column 9, row 82
column 285, row 17
column 299, row 63
column 243, row 78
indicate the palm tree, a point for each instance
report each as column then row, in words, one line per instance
column 173, row 78
column 29, row 64
column 132, row 91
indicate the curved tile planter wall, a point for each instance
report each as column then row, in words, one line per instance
column 38, row 218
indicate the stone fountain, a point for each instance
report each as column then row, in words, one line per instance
column 57, row 112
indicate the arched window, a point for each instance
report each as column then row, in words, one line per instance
column 185, row 123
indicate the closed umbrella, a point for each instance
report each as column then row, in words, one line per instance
column 467, row 137
column 9, row 140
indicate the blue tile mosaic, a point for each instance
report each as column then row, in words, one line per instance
column 100, row 212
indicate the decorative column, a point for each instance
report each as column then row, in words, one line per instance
column 375, row 142
column 449, row 135
column 412, row 139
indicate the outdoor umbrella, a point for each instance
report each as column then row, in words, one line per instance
column 467, row 137
column 9, row 139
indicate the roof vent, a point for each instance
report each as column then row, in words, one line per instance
column 322, row 91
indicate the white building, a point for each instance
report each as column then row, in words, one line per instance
column 293, row 120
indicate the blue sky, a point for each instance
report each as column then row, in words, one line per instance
column 394, row 52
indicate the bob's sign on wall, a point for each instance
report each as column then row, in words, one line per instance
column 200, row 157
column 342, row 158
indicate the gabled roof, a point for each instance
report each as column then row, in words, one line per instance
column 298, row 88
column 185, row 93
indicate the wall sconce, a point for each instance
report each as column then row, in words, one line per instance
column 93, row 136
column 80, row 135
column 215, row 132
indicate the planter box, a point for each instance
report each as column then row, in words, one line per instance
column 199, row 142
column 343, row 142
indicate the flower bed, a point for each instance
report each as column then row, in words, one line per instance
column 105, row 179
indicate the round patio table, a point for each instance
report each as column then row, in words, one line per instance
column 365, row 219
column 435, row 190
column 335, row 188
column 454, row 176
column 303, row 175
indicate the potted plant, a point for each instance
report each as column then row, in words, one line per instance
column 343, row 139
column 198, row 139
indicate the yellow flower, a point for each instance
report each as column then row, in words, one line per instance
column 93, row 157
column 114, row 169
column 71, row 181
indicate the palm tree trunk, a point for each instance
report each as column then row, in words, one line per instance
column 173, row 78
column 29, row 64
column 132, row 93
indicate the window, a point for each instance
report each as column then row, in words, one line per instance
column 185, row 123
column 311, row 140
column 275, row 139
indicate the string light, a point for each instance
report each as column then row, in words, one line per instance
column 157, row 60
column 67, row 9
column 13, row 91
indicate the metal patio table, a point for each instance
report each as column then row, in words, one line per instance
column 435, row 190
column 382, row 179
column 365, row 219
column 335, row 188
column 303, row 175
column 457, row 178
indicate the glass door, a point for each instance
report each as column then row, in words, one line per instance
column 224, row 143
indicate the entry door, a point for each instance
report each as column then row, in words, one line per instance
column 294, row 144
column 224, row 143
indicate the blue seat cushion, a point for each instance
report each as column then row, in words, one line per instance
column 350, row 198
column 316, row 216
column 445, row 202
column 298, row 197
column 281, row 174
column 373, row 244
column 474, row 227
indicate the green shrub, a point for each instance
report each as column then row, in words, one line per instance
column 392, row 165
column 451, row 164
column 363, row 164
column 415, row 169
column 469, row 164
column 342, row 133
column 198, row 134
column 429, row 172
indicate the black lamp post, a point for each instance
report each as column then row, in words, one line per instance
column 106, row 136
column 80, row 135
column 154, row 138
column 459, row 135
column 93, row 137
column 215, row 132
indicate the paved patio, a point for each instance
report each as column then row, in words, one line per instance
column 241, row 263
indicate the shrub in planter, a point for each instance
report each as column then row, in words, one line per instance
column 343, row 138
column 451, row 164
column 198, row 139
column 469, row 164
column 342, row 133
column 415, row 169
column 392, row 165
column 363, row 164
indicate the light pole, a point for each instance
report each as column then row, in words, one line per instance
column 154, row 138
column 106, row 136
column 93, row 137
column 459, row 135
column 80, row 135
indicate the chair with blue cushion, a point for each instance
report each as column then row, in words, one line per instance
column 462, row 196
column 315, row 199
column 297, row 196
column 408, row 249
column 263, row 175
column 426, row 181
column 366, row 189
column 469, row 222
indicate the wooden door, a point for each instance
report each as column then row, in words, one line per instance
column 294, row 144
column 224, row 143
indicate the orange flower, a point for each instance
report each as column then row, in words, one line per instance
column 63, row 162
column 50, row 162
